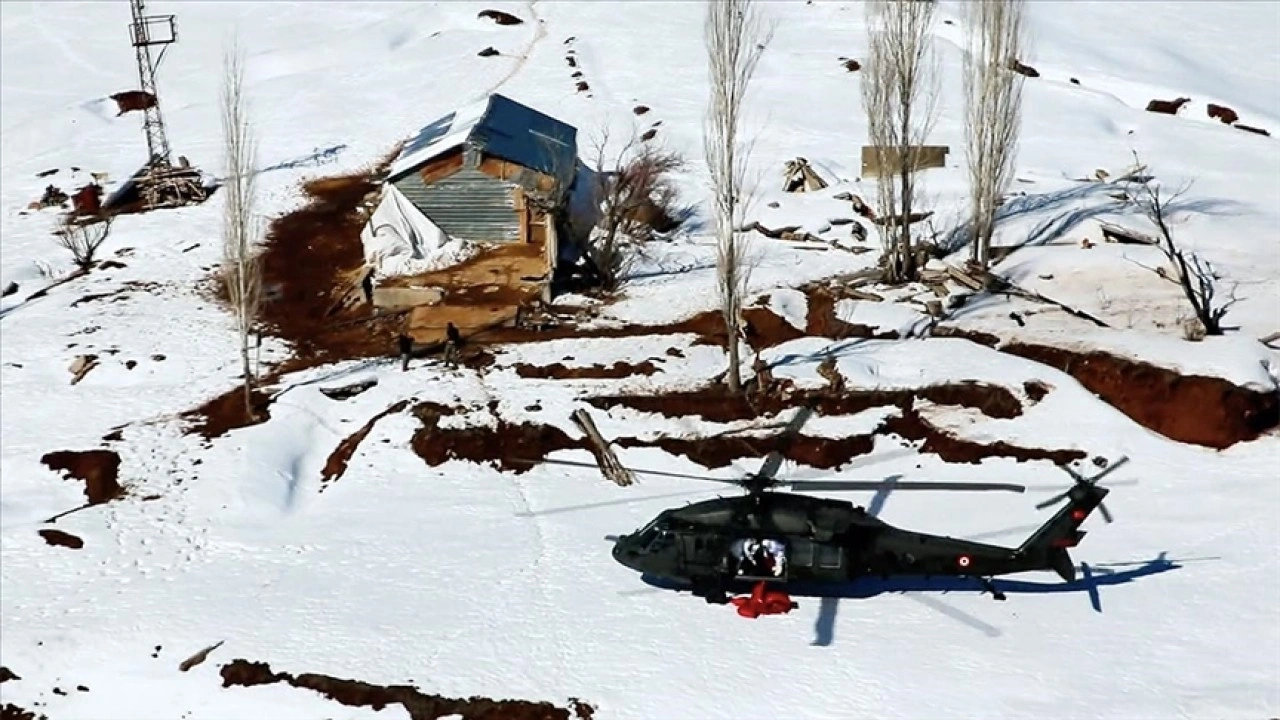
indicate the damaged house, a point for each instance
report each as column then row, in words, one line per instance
column 474, row 217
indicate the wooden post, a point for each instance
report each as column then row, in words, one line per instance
column 610, row 466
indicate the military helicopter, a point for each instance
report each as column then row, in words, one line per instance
column 770, row 538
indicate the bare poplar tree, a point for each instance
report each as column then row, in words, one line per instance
column 735, row 38
column 241, row 272
column 899, row 96
column 993, row 111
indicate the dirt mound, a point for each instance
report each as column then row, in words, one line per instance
column 419, row 705
column 63, row 539
column 336, row 465
column 558, row 371
column 98, row 469
column 1188, row 408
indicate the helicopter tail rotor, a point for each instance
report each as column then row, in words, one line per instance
column 1082, row 486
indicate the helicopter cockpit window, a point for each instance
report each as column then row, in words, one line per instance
column 759, row 558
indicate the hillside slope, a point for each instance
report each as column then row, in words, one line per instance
column 418, row 555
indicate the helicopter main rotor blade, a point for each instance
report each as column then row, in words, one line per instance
column 593, row 466
column 1123, row 459
column 1051, row 501
column 773, row 462
column 839, row 485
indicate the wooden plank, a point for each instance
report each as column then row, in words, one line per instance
column 441, row 167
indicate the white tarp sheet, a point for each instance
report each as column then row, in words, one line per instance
column 400, row 240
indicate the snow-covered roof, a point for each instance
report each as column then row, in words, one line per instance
column 500, row 126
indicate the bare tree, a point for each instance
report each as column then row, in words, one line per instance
column 637, row 197
column 82, row 240
column 899, row 96
column 993, row 111
column 241, row 272
column 735, row 38
column 1192, row 273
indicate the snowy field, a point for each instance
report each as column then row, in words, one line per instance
column 464, row 580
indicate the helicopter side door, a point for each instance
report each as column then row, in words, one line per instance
column 758, row 558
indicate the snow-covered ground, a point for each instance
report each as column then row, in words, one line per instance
column 464, row 580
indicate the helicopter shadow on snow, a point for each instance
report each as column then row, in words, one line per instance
column 923, row 590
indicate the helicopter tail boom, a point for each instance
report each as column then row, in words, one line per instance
column 1050, row 543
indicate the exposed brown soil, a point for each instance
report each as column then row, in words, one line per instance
column 98, row 469
column 62, row 539
column 508, row 446
column 419, row 705
column 1187, row 408
column 336, row 465
column 558, row 371
column 309, row 254
column 518, row 447
column 226, row 412
column 9, row 711
column 1206, row 411
column 500, row 17
column 715, row 404
column 1035, row 390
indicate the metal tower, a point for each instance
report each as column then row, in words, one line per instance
column 148, row 31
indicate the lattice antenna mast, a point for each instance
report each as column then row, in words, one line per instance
column 149, row 31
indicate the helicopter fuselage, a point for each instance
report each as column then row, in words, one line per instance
column 784, row 538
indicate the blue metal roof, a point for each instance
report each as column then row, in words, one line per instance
column 501, row 127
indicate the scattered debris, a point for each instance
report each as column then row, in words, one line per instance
column 62, row 539
column 52, row 197
column 1073, row 81
column 800, row 177
column 922, row 157
column 1247, row 128
column 9, row 289
column 647, row 135
column 582, row 86
column 500, row 17
column 558, row 371
column 1117, row 234
column 347, row 392
column 1021, row 69
column 47, row 173
column 81, row 366
column 6, row 674
column 850, row 64
column 640, row 109
column 199, row 657
column 1167, row 107
column 488, row 52
column 131, row 100
column 1223, row 113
